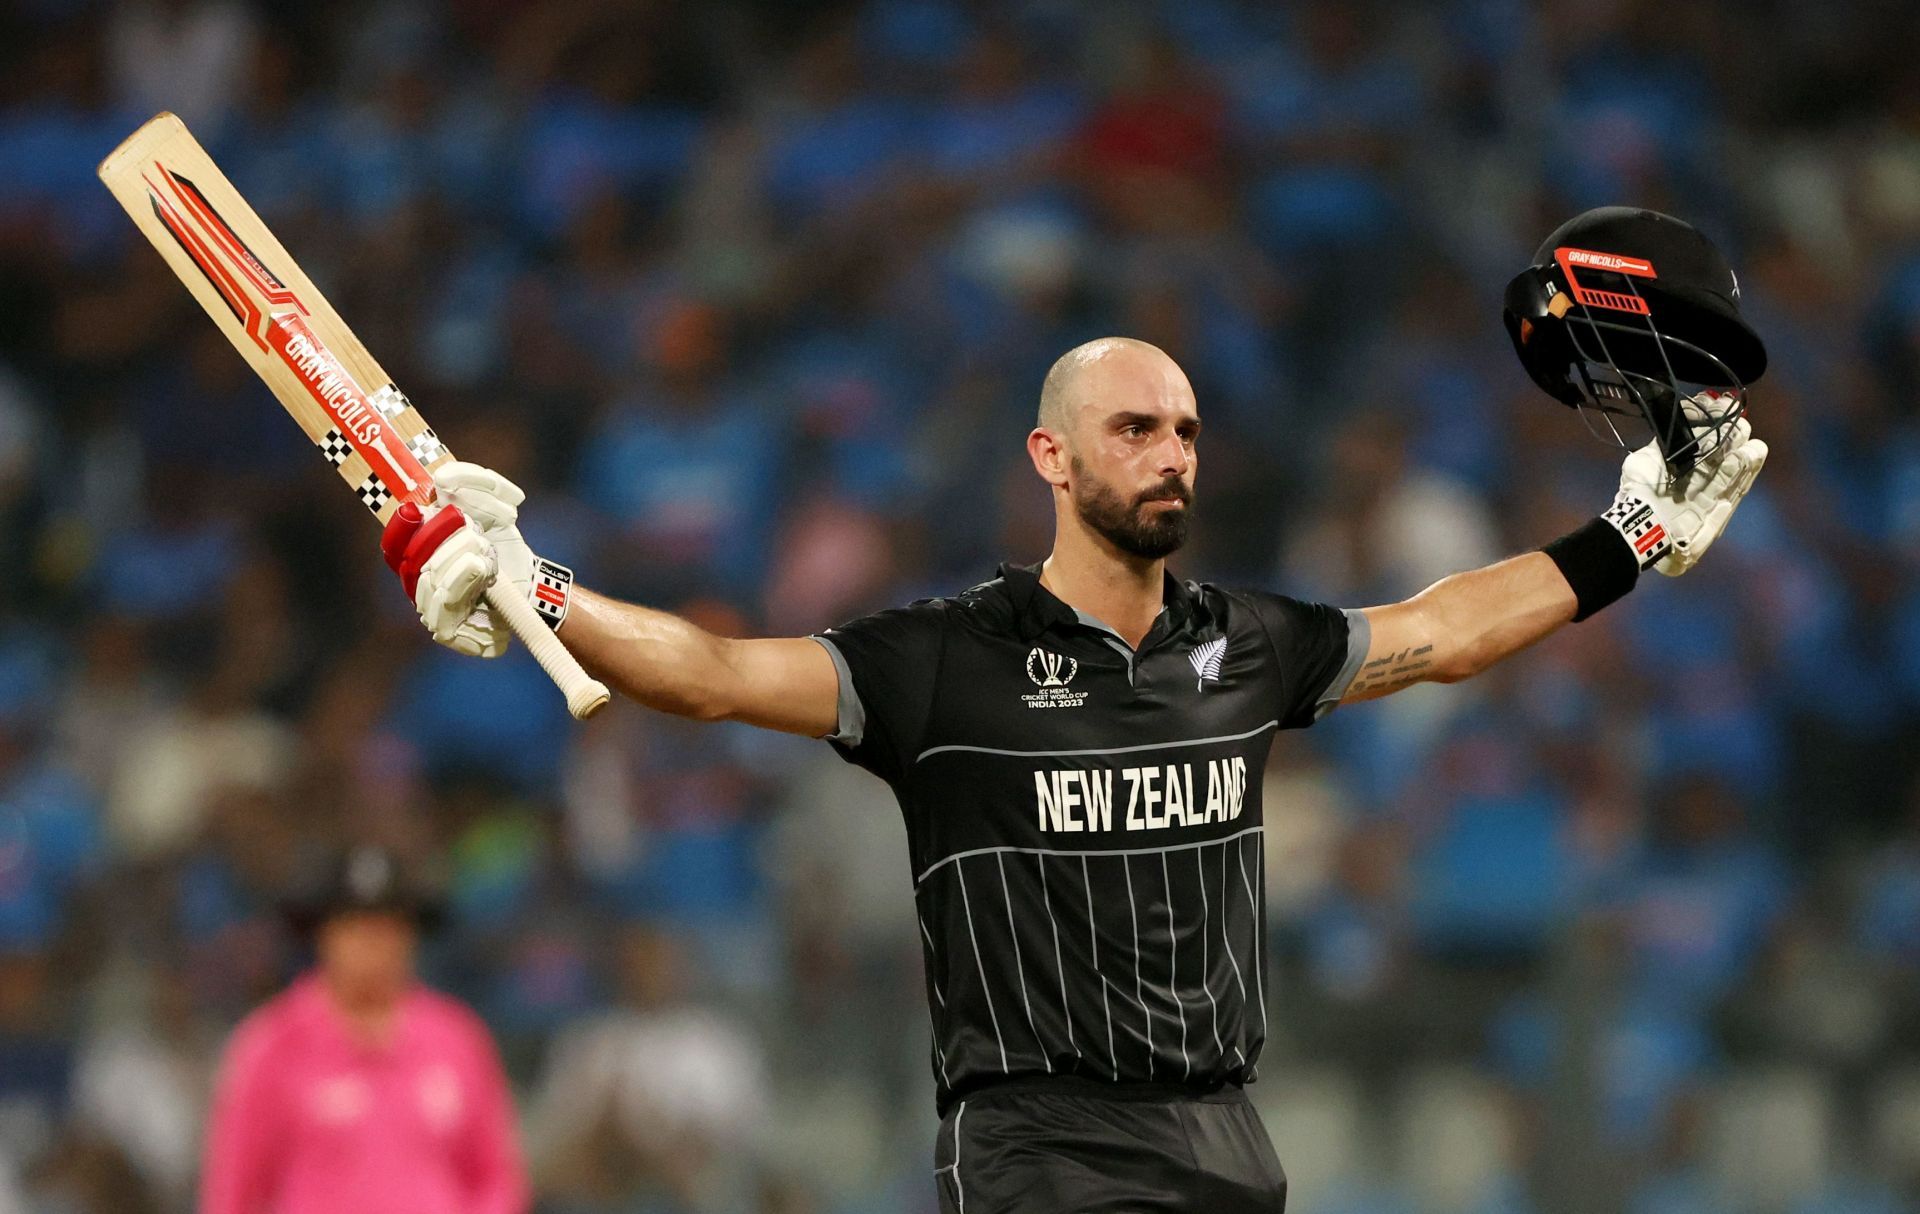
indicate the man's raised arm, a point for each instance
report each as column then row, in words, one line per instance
column 1461, row 625
column 447, row 559
column 674, row 665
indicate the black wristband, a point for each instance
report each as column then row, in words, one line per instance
column 1597, row 563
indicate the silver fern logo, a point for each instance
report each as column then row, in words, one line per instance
column 1206, row 658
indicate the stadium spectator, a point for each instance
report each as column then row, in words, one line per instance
column 142, row 1080
column 662, row 1097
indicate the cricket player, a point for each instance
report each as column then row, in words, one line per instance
column 358, row 1089
column 1077, row 746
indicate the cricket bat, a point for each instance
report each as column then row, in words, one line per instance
column 362, row 424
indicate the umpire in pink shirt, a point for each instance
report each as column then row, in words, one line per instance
column 358, row 1090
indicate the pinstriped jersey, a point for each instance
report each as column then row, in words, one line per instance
column 1084, row 820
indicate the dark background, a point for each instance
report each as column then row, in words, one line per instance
column 754, row 300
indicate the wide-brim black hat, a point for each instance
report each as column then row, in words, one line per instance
column 363, row 880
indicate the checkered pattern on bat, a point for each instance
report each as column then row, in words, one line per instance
column 390, row 402
column 374, row 494
column 335, row 447
column 426, row 446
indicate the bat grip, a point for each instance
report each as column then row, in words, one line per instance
column 585, row 694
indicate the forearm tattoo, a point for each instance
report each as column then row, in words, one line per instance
column 1392, row 672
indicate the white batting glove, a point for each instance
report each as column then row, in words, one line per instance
column 450, row 597
column 491, row 503
column 1669, row 521
column 449, row 555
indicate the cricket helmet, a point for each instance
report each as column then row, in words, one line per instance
column 1627, row 313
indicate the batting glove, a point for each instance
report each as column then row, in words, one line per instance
column 1670, row 521
column 448, row 558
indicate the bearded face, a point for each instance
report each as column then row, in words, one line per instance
column 1150, row 524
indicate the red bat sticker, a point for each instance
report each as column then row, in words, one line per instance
column 232, row 268
column 351, row 412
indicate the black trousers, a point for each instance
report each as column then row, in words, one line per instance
column 1051, row 1148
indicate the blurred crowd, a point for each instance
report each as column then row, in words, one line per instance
column 754, row 300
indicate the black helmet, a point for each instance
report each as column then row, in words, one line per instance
column 1627, row 311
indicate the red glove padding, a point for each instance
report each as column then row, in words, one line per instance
column 411, row 538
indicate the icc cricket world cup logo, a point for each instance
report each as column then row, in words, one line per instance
column 1048, row 669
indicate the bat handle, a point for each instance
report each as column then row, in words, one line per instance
column 585, row 694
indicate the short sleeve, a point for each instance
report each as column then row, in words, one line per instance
column 887, row 664
column 1318, row 648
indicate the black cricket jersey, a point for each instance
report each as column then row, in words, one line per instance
column 1084, row 820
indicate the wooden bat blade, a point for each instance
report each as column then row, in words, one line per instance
column 272, row 313
column 294, row 340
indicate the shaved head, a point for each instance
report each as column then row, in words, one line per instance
column 1072, row 380
column 1115, row 438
